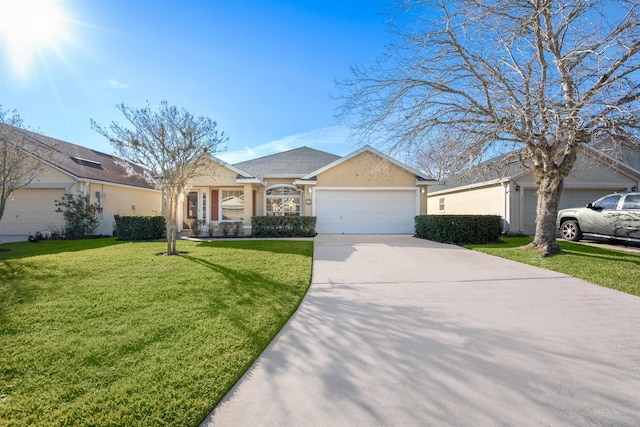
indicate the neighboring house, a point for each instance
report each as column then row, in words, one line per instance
column 509, row 191
column 70, row 168
column 363, row 192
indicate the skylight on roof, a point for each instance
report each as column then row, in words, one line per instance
column 86, row 162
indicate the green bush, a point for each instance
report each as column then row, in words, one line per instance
column 459, row 229
column 79, row 216
column 283, row 226
column 140, row 227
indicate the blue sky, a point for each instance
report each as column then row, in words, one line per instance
column 264, row 70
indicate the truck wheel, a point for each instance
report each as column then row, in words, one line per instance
column 570, row 230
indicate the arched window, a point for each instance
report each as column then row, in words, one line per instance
column 283, row 200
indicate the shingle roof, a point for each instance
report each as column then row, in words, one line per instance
column 489, row 171
column 297, row 162
column 81, row 162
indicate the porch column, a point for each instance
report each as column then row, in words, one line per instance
column 248, row 207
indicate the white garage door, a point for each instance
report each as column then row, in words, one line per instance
column 571, row 198
column 365, row 211
column 31, row 210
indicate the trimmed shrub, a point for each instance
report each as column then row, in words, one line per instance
column 283, row 226
column 459, row 229
column 79, row 216
column 140, row 227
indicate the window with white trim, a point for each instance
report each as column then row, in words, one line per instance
column 283, row 200
column 441, row 204
column 232, row 205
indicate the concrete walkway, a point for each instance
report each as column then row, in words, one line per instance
column 401, row 331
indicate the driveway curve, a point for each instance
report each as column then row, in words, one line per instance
column 401, row 331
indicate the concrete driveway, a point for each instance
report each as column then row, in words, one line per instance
column 401, row 331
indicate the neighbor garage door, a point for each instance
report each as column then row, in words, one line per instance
column 31, row 210
column 365, row 211
column 571, row 198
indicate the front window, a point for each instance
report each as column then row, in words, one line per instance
column 232, row 205
column 283, row 200
column 192, row 205
column 608, row 203
column 441, row 204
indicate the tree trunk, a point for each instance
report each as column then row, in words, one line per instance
column 171, row 224
column 549, row 190
column 169, row 211
column 3, row 203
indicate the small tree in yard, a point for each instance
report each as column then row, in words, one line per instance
column 172, row 145
column 538, row 78
column 79, row 215
column 19, row 160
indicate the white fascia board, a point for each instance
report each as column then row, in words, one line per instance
column 420, row 183
column 114, row 184
column 230, row 167
column 471, row 186
column 283, row 175
column 360, row 151
column 249, row 181
column 305, row 182
column 366, row 189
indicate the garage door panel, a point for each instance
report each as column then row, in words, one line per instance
column 31, row 210
column 353, row 211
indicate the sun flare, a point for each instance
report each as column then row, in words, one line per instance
column 28, row 28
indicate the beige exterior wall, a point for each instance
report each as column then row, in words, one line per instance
column 120, row 200
column 217, row 176
column 484, row 200
column 366, row 170
column 591, row 170
column 52, row 176
column 33, row 208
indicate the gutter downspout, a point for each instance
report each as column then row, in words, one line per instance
column 505, row 223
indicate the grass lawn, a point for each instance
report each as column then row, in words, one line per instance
column 613, row 269
column 101, row 332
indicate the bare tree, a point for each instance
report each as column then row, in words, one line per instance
column 19, row 159
column 540, row 77
column 172, row 146
column 442, row 157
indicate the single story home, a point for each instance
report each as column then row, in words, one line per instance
column 73, row 169
column 509, row 190
column 362, row 192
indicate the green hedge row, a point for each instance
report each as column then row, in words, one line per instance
column 140, row 227
column 459, row 229
column 283, row 226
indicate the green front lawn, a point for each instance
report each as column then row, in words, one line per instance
column 100, row 332
column 613, row 269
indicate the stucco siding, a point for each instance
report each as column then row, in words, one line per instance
column 217, row 175
column 52, row 176
column 591, row 170
column 118, row 200
column 366, row 170
column 479, row 201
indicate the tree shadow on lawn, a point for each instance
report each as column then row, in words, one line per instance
column 293, row 247
column 19, row 250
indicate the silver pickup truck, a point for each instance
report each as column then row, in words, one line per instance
column 616, row 216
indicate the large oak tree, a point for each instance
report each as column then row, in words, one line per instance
column 172, row 146
column 537, row 77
